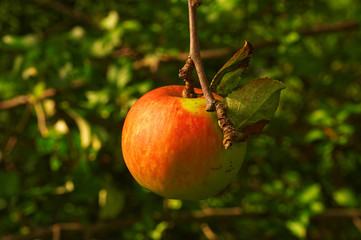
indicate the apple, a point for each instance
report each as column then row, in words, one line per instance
column 173, row 147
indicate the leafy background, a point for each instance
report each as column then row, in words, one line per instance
column 70, row 70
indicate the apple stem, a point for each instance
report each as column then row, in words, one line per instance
column 186, row 73
column 195, row 54
column 229, row 132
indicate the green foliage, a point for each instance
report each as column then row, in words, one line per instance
column 73, row 68
column 251, row 107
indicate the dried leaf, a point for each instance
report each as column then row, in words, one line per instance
column 228, row 77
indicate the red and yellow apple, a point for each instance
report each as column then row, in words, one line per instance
column 173, row 147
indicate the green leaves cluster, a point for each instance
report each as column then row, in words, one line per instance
column 252, row 106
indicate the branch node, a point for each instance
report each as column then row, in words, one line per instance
column 196, row 3
column 211, row 106
column 186, row 73
column 230, row 134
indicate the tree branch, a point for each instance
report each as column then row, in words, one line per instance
column 177, row 217
column 222, row 214
column 330, row 27
column 40, row 115
column 24, row 99
column 229, row 132
column 357, row 223
column 208, row 232
column 222, row 52
column 195, row 54
column 339, row 213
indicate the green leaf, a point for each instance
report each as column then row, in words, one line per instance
column 228, row 77
column 253, row 106
column 298, row 228
column 110, row 22
column 310, row 194
column 158, row 231
column 345, row 197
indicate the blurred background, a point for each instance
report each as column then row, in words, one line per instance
column 71, row 69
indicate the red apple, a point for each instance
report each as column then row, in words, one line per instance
column 173, row 147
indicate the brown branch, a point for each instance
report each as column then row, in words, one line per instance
column 339, row 213
column 195, row 55
column 330, row 27
column 24, row 99
column 56, row 232
column 13, row 102
column 223, row 214
column 208, row 215
column 222, row 52
column 201, row 216
column 40, row 115
column 357, row 223
column 208, row 232
column 229, row 132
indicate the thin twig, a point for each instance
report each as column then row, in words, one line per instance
column 357, row 223
column 15, row 101
column 40, row 115
column 194, row 53
column 208, row 232
column 24, row 99
column 229, row 132
column 56, row 232
column 330, row 27
column 339, row 212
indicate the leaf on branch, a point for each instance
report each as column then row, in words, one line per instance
column 251, row 107
column 228, row 77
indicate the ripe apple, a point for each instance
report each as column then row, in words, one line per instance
column 173, row 147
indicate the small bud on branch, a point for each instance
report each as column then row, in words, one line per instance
column 186, row 73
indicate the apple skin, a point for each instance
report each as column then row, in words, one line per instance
column 173, row 147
